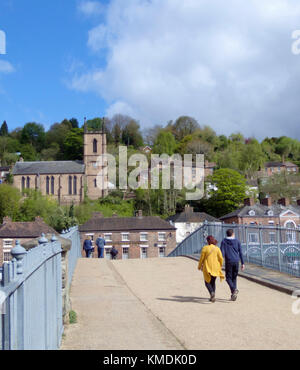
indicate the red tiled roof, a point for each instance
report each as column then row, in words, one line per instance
column 22, row 230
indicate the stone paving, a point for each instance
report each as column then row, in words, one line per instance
column 163, row 304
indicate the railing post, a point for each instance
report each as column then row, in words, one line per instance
column 261, row 243
column 278, row 246
column 247, row 242
column 17, row 310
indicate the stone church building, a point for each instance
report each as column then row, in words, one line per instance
column 68, row 181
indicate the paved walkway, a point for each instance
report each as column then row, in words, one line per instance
column 163, row 304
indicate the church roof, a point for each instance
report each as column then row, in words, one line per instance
column 45, row 168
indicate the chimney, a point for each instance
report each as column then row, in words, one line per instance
column 249, row 202
column 266, row 202
column 6, row 220
column 284, row 202
column 139, row 213
column 188, row 209
column 38, row 219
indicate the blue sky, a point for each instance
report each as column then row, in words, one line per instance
column 228, row 64
column 44, row 39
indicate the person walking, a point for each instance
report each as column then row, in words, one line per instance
column 210, row 262
column 232, row 252
column 88, row 247
column 100, row 242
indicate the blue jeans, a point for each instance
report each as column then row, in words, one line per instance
column 100, row 252
column 232, row 271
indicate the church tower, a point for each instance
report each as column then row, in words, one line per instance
column 95, row 146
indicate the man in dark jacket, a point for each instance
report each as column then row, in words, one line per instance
column 232, row 252
column 88, row 247
column 113, row 253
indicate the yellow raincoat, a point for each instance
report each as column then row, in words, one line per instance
column 211, row 261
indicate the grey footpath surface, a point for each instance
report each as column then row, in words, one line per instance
column 162, row 303
column 267, row 277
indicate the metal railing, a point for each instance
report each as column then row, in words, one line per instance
column 75, row 251
column 273, row 247
column 31, row 294
column 31, row 316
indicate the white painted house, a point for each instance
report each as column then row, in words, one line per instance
column 189, row 221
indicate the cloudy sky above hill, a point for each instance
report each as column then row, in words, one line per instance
column 228, row 64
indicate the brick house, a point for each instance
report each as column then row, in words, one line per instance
column 272, row 168
column 189, row 221
column 133, row 237
column 65, row 181
column 266, row 213
column 11, row 231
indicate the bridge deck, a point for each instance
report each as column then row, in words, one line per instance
column 163, row 304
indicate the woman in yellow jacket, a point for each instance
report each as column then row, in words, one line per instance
column 211, row 261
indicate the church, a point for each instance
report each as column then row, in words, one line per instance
column 68, row 181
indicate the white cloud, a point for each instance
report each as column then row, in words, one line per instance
column 6, row 67
column 228, row 64
column 90, row 8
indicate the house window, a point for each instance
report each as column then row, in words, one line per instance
column 144, row 237
column 290, row 234
column 144, row 252
column 95, row 183
column 47, row 185
column 107, row 237
column 253, row 238
column 52, row 185
column 161, row 251
column 70, row 185
column 28, row 182
column 162, row 237
column 125, row 237
column 75, row 185
column 95, row 146
column 7, row 247
column 125, row 253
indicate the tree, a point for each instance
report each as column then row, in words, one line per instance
column 252, row 158
column 51, row 153
column 74, row 122
column 73, row 145
column 164, row 143
column 227, row 192
column 131, row 135
column 4, row 129
column 33, row 134
column 9, row 201
column 183, row 126
column 95, row 124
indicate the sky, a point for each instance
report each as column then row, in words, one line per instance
column 232, row 65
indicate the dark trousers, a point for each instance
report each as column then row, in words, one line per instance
column 88, row 253
column 232, row 271
column 211, row 287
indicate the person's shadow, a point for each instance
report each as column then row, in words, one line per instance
column 201, row 300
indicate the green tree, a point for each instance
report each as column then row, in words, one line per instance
column 184, row 126
column 4, row 129
column 73, row 145
column 33, row 134
column 131, row 135
column 9, row 201
column 74, row 122
column 164, row 143
column 252, row 158
column 227, row 192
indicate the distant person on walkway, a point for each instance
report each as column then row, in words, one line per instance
column 100, row 242
column 211, row 261
column 232, row 252
column 114, row 253
column 88, row 247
